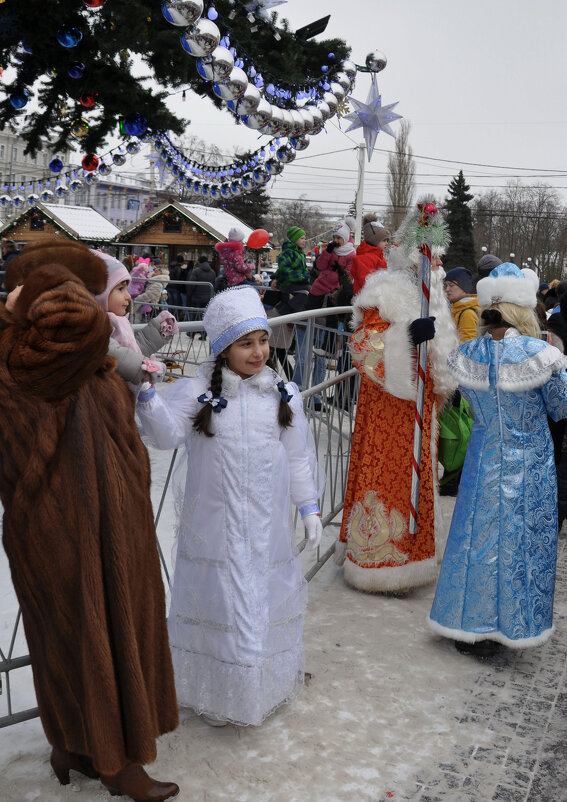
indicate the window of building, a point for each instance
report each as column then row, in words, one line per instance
column 2, row 151
column 15, row 154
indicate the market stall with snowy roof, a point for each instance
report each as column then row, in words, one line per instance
column 44, row 220
column 174, row 228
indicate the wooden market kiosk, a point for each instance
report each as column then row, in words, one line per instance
column 46, row 220
column 176, row 228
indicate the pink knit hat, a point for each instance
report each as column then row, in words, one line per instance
column 116, row 274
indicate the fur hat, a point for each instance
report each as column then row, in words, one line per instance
column 232, row 314
column 236, row 235
column 76, row 257
column 507, row 284
column 342, row 230
column 487, row 263
column 462, row 277
column 294, row 233
column 373, row 231
column 116, row 273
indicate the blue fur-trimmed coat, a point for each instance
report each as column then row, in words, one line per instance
column 498, row 575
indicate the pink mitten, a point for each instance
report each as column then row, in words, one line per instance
column 155, row 371
column 167, row 323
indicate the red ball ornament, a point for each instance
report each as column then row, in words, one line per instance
column 88, row 101
column 258, row 238
column 90, row 162
column 94, row 3
column 429, row 210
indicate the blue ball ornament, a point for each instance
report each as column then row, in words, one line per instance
column 69, row 36
column 135, row 124
column 76, row 70
column 55, row 165
column 19, row 98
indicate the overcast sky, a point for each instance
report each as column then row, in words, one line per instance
column 482, row 83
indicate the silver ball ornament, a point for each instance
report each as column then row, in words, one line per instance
column 302, row 142
column 236, row 188
column 61, row 190
column 274, row 125
column 331, row 102
column 260, row 117
column 375, row 61
column 46, row 196
column 298, row 123
column 249, row 101
column 325, row 110
column 307, row 117
column 343, row 79
column 318, row 121
column 286, row 154
column 104, row 168
column 233, row 87
column 133, row 147
column 201, row 39
column 260, row 176
column 287, row 124
column 119, row 159
column 18, row 200
column 349, row 68
column 75, row 184
column 274, row 167
column 5, row 200
column 338, row 91
column 33, row 199
column 182, row 12
column 222, row 63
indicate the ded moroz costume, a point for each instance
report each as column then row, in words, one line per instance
column 238, row 596
column 379, row 552
column 498, row 574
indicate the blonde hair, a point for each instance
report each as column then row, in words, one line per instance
column 521, row 318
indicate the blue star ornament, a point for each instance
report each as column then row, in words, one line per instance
column 372, row 117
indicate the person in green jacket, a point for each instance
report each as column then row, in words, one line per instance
column 292, row 264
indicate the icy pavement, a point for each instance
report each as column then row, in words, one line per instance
column 391, row 713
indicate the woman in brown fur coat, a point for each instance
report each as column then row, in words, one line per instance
column 78, row 527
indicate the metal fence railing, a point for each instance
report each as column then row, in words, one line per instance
column 309, row 348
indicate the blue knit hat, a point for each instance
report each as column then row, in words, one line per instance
column 462, row 277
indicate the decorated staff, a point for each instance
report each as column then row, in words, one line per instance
column 383, row 545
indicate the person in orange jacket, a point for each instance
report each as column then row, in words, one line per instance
column 370, row 253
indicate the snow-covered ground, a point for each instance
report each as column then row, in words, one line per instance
column 383, row 710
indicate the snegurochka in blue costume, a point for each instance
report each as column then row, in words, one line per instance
column 497, row 579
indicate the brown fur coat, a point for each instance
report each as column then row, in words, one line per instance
column 78, row 528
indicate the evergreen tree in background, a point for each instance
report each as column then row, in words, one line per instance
column 132, row 59
column 458, row 215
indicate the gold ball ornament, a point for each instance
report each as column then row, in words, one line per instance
column 79, row 128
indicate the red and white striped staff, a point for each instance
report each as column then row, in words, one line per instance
column 420, row 400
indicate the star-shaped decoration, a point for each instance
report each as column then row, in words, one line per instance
column 372, row 117
column 262, row 7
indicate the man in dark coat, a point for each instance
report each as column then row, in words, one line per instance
column 78, row 527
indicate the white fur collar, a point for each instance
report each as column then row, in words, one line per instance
column 264, row 381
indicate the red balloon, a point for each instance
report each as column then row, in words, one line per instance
column 258, row 238
column 90, row 162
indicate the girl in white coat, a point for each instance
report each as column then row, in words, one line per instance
column 238, row 595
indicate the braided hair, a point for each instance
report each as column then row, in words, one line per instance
column 202, row 420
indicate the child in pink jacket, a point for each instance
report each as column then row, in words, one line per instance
column 339, row 253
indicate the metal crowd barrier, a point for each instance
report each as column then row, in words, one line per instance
column 329, row 391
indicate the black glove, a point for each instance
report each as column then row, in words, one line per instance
column 422, row 329
column 331, row 246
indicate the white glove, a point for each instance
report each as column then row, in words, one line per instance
column 314, row 529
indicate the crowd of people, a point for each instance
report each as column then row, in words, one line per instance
column 79, row 388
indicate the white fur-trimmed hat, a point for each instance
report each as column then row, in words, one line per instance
column 232, row 314
column 507, row 284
